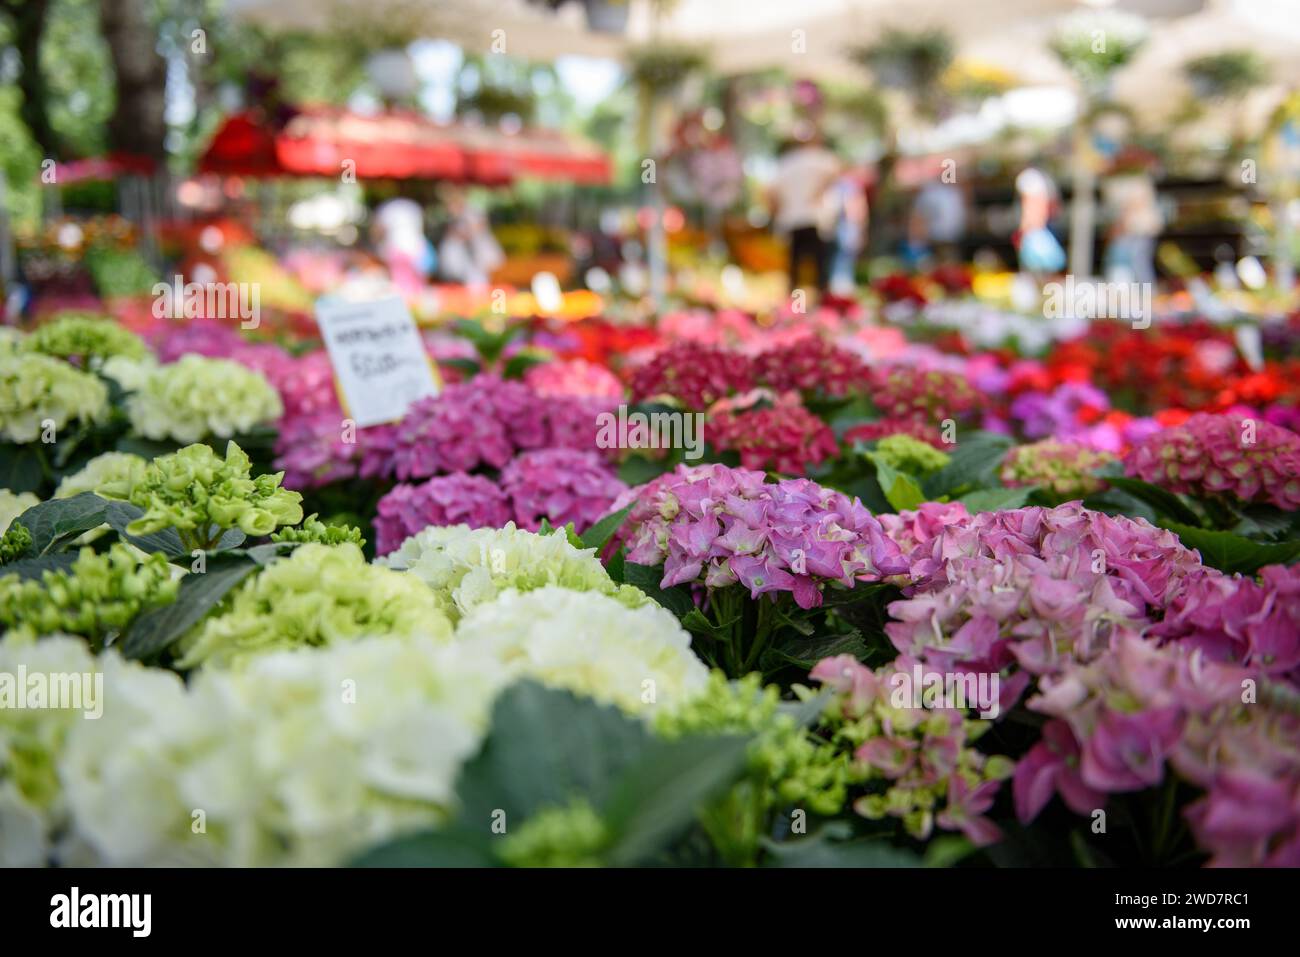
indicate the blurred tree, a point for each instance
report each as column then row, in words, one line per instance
column 26, row 26
column 138, row 125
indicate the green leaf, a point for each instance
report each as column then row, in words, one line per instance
column 20, row 467
column 902, row 491
column 521, row 362
column 545, row 747
column 657, row 797
column 470, row 367
column 596, row 536
column 947, row 849
column 156, row 630
column 56, row 522
column 637, row 469
column 973, row 464
column 806, row 652
column 995, row 499
column 827, row 848
column 1230, row 552
column 647, row 578
column 450, row 847
column 33, row 568
column 1165, row 502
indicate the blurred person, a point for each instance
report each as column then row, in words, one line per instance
column 397, row 230
column 798, row 198
column 852, row 217
column 1039, row 250
column 1136, row 222
column 937, row 223
column 469, row 252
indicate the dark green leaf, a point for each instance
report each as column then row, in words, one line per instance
column 806, row 652
column 521, row 362
column 450, row 847
column 544, row 748
column 1231, row 553
column 35, row 567
column 156, row 630
column 1166, row 503
column 995, row 499
column 647, row 578
column 54, row 523
column 827, row 848
column 657, row 797
column 596, row 536
column 973, row 464
column 902, row 491
column 20, row 467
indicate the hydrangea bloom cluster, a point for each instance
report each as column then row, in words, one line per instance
column 317, row 449
column 930, row 395
column 96, row 597
column 574, row 377
column 1063, row 470
column 110, row 475
column 35, row 389
column 467, row 567
column 561, row 486
column 197, row 397
column 319, row 595
column 811, row 365
column 485, row 421
column 924, row 758
column 716, row 526
column 638, row 659
column 84, row 338
column 314, row 530
column 1034, row 589
column 1064, row 413
column 287, row 772
column 200, row 494
column 458, row 499
column 14, row 542
column 784, row 437
column 1222, row 455
column 909, row 455
column 695, row 374
column 922, row 431
column 570, row 836
column 1121, row 721
column 1234, row 619
column 13, row 504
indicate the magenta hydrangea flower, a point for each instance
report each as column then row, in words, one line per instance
column 561, row 486
column 916, row 533
column 927, row 395
column 314, row 450
column 695, row 374
column 1222, row 455
column 1062, row 414
column 784, row 437
column 921, row 431
column 716, row 526
column 811, row 365
column 457, row 499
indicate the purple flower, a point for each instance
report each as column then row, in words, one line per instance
column 457, row 499
column 1052, row 767
column 561, row 486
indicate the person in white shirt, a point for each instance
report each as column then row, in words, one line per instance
column 798, row 197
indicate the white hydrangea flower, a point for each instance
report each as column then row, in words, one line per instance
column 639, row 659
column 31, row 741
column 111, row 467
column 304, row 757
column 467, row 567
column 13, row 504
column 36, row 390
column 196, row 397
column 131, row 374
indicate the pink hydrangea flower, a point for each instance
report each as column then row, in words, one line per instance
column 784, row 438
column 574, row 377
column 561, row 486
column 811, row 365
column 1222, row 455
column 696, row 375
column 456, row 499
column 927, row 395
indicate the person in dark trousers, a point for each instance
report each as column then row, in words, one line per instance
column 800, row 207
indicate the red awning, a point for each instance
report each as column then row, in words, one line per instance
column 320, row 141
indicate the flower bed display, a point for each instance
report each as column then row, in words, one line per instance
column 907, row 601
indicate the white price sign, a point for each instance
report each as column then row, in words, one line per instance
column 379, row 360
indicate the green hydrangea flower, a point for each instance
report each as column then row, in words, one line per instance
column 111, row 475
column 85, row 337
column 35, row 389
column 1062, row 470
column 319, row 595
column 570, row 836
column 96, row 598
column 14, row 542
column 313, row 530
column 788, row 766
column 910, row 455
column 200, row 494
column 466, row 567
column 197, row 397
